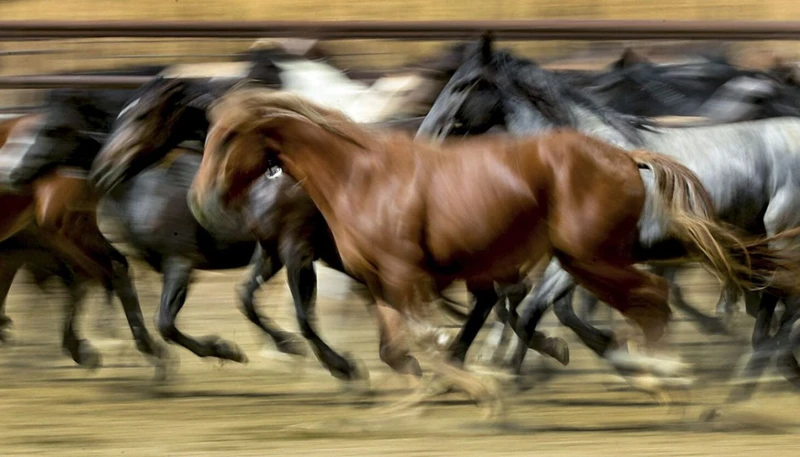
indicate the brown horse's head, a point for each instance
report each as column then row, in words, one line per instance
column 249, row 132
column 159, row 116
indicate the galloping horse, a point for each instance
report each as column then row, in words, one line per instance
column 58, row 214
column 289, row 228
column 410, row 217
column 747, row 168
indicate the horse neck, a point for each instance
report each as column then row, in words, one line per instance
column 320, row 161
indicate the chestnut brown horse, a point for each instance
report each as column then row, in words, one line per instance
column 60, row 208
column 409, row 217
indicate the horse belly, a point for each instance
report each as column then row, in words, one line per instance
column 494, row 248
column 17, row 214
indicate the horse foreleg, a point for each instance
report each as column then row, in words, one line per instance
column 485, row 300
column 266, row 264
column 303, row 286
column 177, row 276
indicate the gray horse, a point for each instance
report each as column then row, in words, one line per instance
column 750, row 170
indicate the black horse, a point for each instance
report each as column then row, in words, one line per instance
column 76, row 125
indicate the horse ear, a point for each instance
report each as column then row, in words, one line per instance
column 486, row 48
column 629, row 58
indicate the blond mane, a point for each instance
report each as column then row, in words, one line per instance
column 246, row 107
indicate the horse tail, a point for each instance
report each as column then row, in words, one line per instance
column 737, row 259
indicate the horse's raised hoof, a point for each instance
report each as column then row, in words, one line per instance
column 557, row 348
column 227, row 350
column 292, row 345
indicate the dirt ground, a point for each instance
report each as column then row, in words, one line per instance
column 49, row 406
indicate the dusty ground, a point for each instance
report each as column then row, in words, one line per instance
column 48, row 406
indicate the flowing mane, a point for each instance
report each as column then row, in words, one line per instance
column 246, row 107
column 548, row 94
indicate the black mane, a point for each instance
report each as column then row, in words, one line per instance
column 548, row 93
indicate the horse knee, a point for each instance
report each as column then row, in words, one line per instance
column 166, row 328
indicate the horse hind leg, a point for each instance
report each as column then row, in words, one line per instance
column 641, row 297
column 81, row 351
column 8, row 270
column 302, row 284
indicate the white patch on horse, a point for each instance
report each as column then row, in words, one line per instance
column 208, row 70
column 128, row 107
column 19, row 142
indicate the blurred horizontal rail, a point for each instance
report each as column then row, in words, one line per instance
column 73, row 81
column 411, row 30
column 112, row 82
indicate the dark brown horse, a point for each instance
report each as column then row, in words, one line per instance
column 410, row 217
column 60, row 209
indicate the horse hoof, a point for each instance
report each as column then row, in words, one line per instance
column 558, row 349
column 355, row 370
column 229, row 351
column 358, row 369
column 292, row 346
column 88, row 356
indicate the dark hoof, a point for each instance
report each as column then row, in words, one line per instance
column 355, row 370
column 292, row 345
column 86, row 355
column 558, row 349
column 227, row 350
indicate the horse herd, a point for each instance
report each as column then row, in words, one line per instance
column 475, row 166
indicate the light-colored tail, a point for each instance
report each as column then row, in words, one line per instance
column 738, row 259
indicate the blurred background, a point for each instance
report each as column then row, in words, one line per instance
column 58, row 56
column 50, row 407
